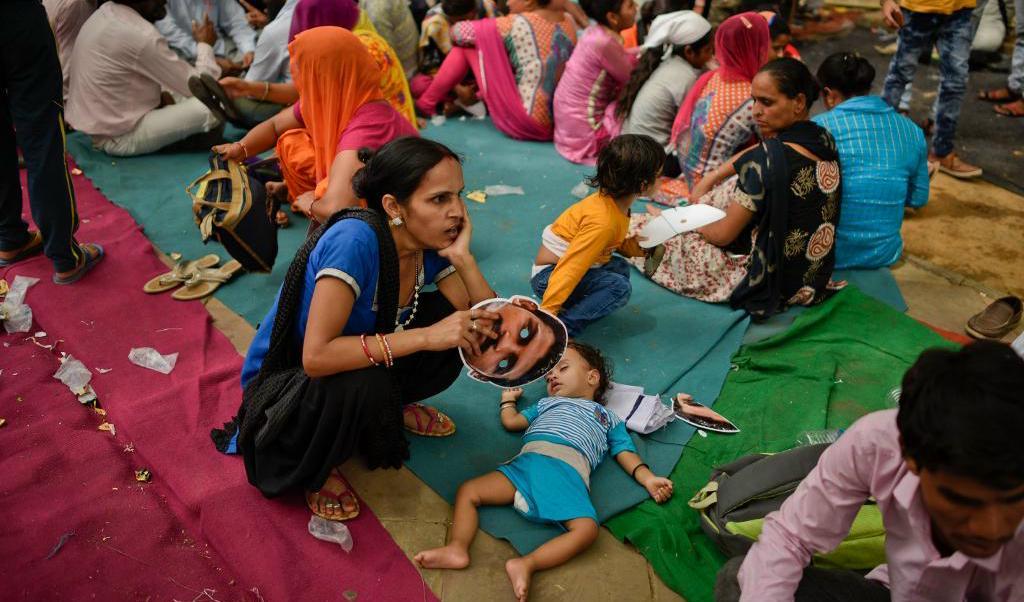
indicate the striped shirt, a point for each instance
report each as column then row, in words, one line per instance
column 884, row 161
column 580, row 423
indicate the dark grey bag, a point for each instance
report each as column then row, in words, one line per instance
column 740, row 494
column 748, row 489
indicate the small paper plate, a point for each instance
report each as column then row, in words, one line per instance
column 673, row 222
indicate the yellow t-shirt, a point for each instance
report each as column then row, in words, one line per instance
column 593, row 229
column 941, row 7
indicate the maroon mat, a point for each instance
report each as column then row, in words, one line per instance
column 197, row 530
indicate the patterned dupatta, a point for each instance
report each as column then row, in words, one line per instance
column 794, row 251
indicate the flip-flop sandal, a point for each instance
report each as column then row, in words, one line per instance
column 204, row 282
column 328, row 502
column 438, row 424
column 89, row 263
column 1007, row 112
column 222, row 97
column 998, row 95
column 196, row 87
column 33, row 248
column 182, row 270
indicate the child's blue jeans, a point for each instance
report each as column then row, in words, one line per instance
column 601, row 291
column 952, row 34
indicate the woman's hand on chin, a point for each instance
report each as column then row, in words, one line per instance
column 459, row 249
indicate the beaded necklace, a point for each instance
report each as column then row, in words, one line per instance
column 399, row 325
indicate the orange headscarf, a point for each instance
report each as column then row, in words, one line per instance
column 335, row 75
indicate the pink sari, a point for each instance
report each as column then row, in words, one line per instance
column 498, row 87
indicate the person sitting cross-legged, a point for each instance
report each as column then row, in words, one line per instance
column 947, row 472
column 130, row 90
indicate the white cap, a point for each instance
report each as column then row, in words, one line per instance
column 678, row 29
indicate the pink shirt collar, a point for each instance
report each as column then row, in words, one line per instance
column 906, row 494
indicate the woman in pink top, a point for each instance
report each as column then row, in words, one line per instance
column 340, row 110
column 594, row 76
column 517, row 61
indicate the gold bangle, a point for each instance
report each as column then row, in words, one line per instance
column 245, row 151
column 266, row 91
column 383, row 354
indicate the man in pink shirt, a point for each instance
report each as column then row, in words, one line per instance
column 129, row 90
column 66, row 19
column 947, row 472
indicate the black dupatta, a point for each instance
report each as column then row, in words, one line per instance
column 766, row 175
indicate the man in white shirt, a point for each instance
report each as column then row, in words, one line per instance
column 121, row 67
column 228, row 18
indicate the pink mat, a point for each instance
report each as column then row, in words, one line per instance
column 198, row 530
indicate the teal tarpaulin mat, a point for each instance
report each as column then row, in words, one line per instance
column 660, row 341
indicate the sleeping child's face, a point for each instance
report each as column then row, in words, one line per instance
column 573, row 377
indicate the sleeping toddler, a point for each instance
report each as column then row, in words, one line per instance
column 568, row 434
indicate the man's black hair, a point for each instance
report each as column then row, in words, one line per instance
column 963, row 412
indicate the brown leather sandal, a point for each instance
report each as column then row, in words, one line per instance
column 180, row 273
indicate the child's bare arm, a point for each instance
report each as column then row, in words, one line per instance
column 659, row 488
column 511, row 419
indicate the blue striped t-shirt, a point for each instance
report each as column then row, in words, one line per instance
column 884, row 160
column 582, row 424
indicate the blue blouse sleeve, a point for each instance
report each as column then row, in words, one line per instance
column 348, row 252
column 435, row 267
column 531, row 413
column 619, row 439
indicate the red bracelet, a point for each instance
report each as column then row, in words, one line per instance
column 366, row 350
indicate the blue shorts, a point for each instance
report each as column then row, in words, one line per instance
column 550, row 490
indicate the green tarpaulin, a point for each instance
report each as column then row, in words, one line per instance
column 839, row 361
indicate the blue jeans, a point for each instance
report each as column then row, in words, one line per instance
column 601, row 291
column 952, row 34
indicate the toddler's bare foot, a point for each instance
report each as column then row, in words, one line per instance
column 448, row 557
column 519, row 573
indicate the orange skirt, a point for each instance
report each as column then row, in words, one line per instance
column 298, row 162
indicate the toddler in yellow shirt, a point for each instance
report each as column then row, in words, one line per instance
column 575, row 273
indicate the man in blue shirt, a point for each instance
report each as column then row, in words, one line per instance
column 227, row 17
column 884, row 161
